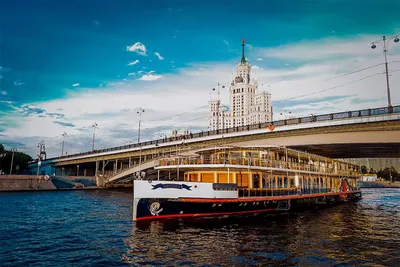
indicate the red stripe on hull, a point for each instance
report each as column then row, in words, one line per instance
column 250, row 199
column 202, row 214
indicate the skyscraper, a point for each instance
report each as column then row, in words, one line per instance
column 247, row 106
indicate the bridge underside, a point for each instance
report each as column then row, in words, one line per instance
column 355, row 150
column 368, row 144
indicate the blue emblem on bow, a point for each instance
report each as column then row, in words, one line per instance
column 176, row 186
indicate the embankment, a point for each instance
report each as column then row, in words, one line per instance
column 25, row 183
column 379, row 184
column 10, row 183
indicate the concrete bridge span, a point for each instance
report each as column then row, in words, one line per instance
column 351, row 137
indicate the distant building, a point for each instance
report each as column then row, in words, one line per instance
column 175, row 133
column 247, row 105
column 369, row 178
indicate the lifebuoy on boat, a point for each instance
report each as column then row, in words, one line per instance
column 46, row 177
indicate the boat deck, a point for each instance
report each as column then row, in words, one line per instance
column 273, row 198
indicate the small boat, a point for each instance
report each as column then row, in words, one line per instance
column 225, row 181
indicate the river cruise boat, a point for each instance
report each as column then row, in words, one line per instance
column 225, row 181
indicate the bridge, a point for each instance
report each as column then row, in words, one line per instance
column 355, row 134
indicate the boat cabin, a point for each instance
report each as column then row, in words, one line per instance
column 259, row 170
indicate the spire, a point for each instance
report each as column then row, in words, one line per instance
column 243, row 58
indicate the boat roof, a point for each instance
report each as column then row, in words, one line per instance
column 237, row 147
column 244, row 147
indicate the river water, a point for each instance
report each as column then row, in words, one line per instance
column 94, row 228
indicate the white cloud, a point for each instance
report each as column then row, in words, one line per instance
column 138, row 48
column 18, row 83
column 255, row 67
column 114, row 105
column 75, row 84
column 150, row 77
column 132, row 73
column 259, row 59
column 249, row 46
column 159, row 56
column 3, row 93
column 226, row 42
column 133, row 62
column 333, row 47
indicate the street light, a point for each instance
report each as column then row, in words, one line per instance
column 287, row 114
column 218, row 105
column 94, row 126
column 62, row 151
column 140, row 120
column 385, row 42
column 42, row 153
column 38, row 166
column 12, row 159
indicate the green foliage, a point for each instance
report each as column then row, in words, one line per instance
column 389, row 174
column 20, row 161
column 364, row 170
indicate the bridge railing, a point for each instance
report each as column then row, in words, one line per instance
column 293, row 121
column 119, row 171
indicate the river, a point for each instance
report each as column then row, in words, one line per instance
column 94, row 228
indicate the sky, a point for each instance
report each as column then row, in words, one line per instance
column 65, row 65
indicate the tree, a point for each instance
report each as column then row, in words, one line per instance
column 389, row 174
column 364, row 169
column 20, row 159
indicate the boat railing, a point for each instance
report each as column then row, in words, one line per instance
column 270, row 192
column 248, row 162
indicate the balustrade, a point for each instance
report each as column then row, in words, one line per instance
column 269, row 192
column 249, row 162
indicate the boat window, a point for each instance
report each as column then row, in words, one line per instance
column 235, row 155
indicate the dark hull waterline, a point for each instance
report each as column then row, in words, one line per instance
column 158, row 209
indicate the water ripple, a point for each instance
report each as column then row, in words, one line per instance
column 94, row 228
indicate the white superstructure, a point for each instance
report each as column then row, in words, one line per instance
column 246, row 105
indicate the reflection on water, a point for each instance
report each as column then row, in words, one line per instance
column 94, row 228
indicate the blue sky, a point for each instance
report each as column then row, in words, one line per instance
column 65, row 64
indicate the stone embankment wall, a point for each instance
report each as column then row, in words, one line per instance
column 25, row 183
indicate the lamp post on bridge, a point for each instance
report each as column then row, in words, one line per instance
column 62, row 150
column 218, row 104
column 385, row 44
column 40, row 155
column 94, row 126
column 140, row 120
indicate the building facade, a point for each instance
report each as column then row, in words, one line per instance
column 246, row 104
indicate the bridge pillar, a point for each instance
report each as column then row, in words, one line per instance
column 103, row 167
column 115, row 166
column 129, row 162
column 97, row 167
column 100, row 181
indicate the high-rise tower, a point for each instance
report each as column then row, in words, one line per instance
column 247, row 105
